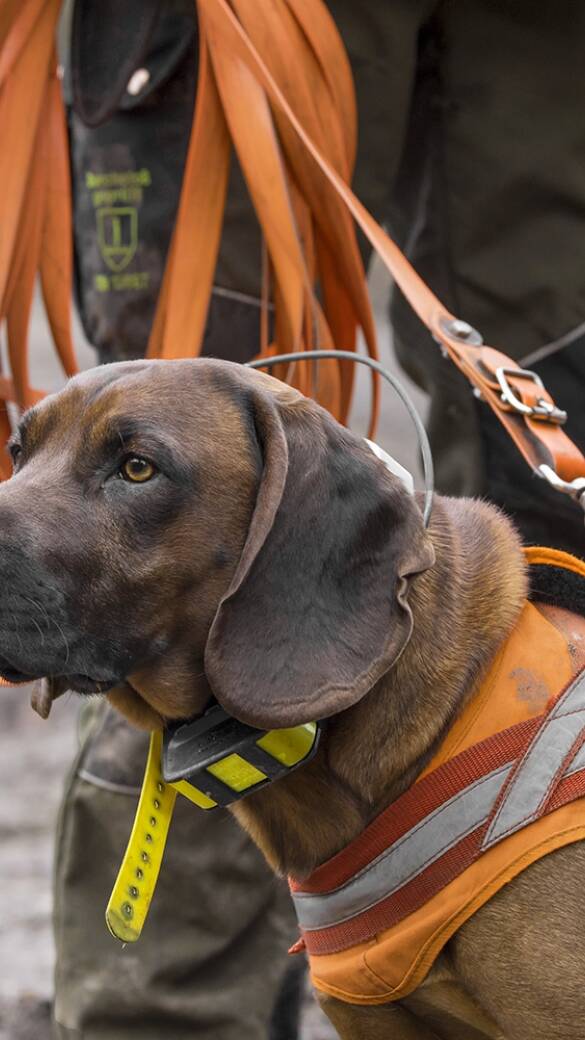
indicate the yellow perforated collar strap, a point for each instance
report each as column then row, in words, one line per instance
column 212, row 761
column 134, row 887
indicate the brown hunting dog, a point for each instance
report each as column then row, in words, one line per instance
column 178, row 528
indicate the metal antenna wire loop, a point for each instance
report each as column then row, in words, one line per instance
column 348, row 355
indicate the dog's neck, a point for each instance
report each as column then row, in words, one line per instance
column 463, row 608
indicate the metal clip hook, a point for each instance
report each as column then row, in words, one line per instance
column 574, row 488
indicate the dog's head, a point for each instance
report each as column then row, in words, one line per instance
column 177, row 530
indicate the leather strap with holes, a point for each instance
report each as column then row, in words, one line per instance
column 134, row 887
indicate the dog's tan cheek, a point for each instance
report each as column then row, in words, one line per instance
column 173, row 688
column 132, row 707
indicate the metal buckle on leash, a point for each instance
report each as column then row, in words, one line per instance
column 542, row 410
column 574, row 488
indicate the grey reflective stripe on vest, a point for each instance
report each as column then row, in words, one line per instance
column 438, row 832
column 530, row 787
column 578, row 762
column 399, row 864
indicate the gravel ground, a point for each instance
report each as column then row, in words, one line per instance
column 35, row 755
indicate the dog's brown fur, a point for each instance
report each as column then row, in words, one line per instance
column 196, row 566
column 374, row 750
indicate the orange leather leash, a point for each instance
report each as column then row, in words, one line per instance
column 274, row 81
column 35, row 203
column 517, row 396
column 309, row 236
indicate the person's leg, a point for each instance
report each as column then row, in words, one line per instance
column 382, row 43
column 213, row 951
column 496, row 230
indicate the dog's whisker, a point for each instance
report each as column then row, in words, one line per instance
column 64, row 638
column 39, row 630
column 16, row 632
column 39, row 607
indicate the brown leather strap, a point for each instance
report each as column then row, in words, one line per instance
column 35, row 204
column 536, row 430
column 303, row 227
column 274, row 79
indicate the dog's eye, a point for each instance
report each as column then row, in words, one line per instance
column 137, row 470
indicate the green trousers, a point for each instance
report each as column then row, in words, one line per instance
column 213, row 952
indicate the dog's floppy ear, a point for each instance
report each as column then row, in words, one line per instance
column 317, row 610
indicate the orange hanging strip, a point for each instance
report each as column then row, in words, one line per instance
column 35, row 204
column 300, row 227
column 274, row 80
column 517, row 397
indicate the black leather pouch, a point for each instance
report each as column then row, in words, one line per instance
column 130, row 82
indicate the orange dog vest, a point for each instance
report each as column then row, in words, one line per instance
column 506, row 787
